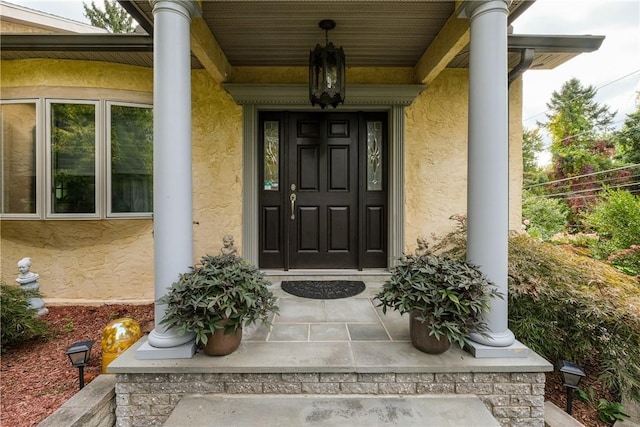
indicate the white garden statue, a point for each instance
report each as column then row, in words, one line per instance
column 228, row 246
column 28, row 281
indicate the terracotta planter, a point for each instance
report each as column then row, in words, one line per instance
column 221, row 344
column 421, row 339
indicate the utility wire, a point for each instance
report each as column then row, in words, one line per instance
column 582, row 176
column 602, row 182
column 589, row 190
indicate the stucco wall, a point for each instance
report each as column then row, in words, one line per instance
column 436, row 157
column 217, row 166
column 97, row 261
column 107, row 260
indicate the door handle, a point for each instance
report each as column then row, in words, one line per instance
column 292, row 199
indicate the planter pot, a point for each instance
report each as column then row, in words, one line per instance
column 221, row 344
column 421, row 339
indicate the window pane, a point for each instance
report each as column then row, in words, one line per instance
column 271, row 156
column 73, row 158
column 131, row 159
column 18, row 143
column 374, row 156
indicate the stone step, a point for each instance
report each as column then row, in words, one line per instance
column 556, row 417
column 335, row 410
column 367, row 276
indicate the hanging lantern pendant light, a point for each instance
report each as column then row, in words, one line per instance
column 326, row 71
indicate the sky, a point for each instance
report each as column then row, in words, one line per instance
column 614, row 69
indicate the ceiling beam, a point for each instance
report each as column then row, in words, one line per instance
column 452, row 38
column 206, row 48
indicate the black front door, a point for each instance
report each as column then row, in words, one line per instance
column 323, row 190
column 318, row 207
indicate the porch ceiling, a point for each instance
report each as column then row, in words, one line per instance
column 382, row 33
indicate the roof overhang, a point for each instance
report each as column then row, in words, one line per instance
column 425, row 35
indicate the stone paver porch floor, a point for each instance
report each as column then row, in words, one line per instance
column 340, row 335
column 344, row 348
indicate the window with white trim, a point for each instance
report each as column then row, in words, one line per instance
column 70, row 159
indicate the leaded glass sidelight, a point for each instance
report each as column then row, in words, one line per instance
column 374, row 156
column 271, row 138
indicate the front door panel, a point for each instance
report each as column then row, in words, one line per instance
column 323, row 190
column 323, row 179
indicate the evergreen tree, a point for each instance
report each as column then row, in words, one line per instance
column 113, row 18
column 580, row 131
column 532, row 145
column 628, row 138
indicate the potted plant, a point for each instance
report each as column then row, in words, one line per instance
column 446, row 299
column 216, row 299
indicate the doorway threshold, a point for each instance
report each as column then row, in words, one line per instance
column 327, row 272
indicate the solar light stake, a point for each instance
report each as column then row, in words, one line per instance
column 571, row 376
column 79, row 354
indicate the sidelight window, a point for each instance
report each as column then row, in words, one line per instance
column 271, row 138
column 374, row 156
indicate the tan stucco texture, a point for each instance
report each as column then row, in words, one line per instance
column 436, row 157
column 112, row 260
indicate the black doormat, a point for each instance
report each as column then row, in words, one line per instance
column 326, row 289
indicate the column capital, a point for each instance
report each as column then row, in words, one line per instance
column 471, row 8
column 189, row 8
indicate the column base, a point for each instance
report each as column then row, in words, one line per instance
column 482, row 351
column 168, row 339
column 148, row 352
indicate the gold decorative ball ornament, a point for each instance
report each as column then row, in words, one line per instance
column 117, row 336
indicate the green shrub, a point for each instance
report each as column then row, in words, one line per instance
column 627, row 260
column 608, row 412
column 17, row 318
column 543, row 217
column 616, row 220
column 566, row 306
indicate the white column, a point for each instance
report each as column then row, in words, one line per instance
column 488, row 170
column 172, row 183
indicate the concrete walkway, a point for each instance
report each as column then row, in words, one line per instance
column 334, row 411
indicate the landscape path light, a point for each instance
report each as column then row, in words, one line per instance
column 79, row 354
column 571, row 376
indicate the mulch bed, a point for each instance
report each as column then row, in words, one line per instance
column 37, row 378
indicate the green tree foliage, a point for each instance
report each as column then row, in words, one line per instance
column 628, row 138
column 616, row 220
column 113, row 18
column 580, row 131
column 581, row 144
column 17, row 321
column 532, row 145
column 543, row 216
